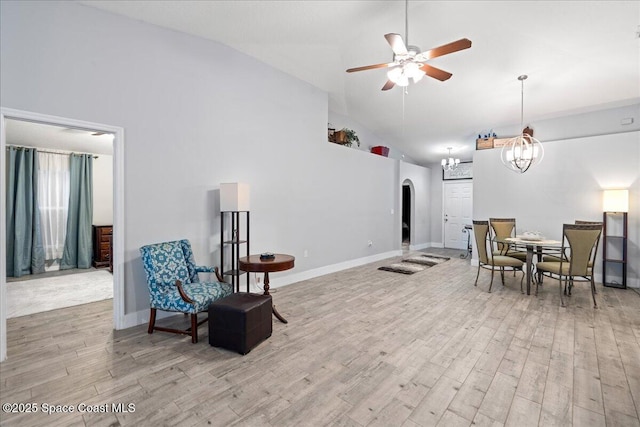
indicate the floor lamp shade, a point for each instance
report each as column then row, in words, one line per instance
column 615, row 201
column 234, row 197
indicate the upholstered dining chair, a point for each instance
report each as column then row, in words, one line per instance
column 488, row 260
column 554, row 258
column 174, row 285
column 503, row 228
column 581, row 241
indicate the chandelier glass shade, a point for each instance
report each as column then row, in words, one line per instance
column 449, row 163
column 522, row 152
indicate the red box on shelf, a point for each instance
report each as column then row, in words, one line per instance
column 381, row 150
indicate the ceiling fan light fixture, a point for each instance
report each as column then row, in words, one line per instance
column 409, row 70
column 413, row 71
column 409, row 62
column 418, row 76
column 399, row 76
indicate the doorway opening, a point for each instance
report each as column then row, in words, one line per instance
column 49, row 290
column 117, row 206
column 407, row 203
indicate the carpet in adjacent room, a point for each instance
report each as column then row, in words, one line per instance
column 50, row 293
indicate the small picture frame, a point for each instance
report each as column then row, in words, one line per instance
column 463, row 171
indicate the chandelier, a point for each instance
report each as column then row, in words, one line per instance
column 523, row 151
column 449, row 163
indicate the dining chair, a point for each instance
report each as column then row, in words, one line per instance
column 488, row 260
column 554, row 258
column 503, row 228
column 581, row 240
column 174, row 285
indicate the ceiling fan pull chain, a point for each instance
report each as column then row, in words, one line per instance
column 403, row 94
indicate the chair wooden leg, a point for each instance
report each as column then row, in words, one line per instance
column 477, row 275
column 491, row 283
column 593, row 293
column 152, row 320
column 521, row 279
column 561, row 293
column 194, row 328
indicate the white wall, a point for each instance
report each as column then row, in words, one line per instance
column 195, row 114
column 566, row 186
column 103, row 190
column 437, row 220
column 607, row 121
column 366, row 137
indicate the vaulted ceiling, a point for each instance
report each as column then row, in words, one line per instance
column 579, row 55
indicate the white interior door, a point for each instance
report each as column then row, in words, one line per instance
column 457, row 212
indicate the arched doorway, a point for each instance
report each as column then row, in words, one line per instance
column 407, row 214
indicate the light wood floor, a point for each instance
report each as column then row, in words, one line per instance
column 363, row 347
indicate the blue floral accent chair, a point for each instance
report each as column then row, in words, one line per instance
column 174, row 285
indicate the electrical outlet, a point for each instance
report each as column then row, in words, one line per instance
column 258, row 279
column 370, row 243
column 306, row 253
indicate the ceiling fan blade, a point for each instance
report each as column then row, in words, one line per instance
column 388, row 85
column 397, row 44
column 370, row 67
column 444, row 49
column 436, row 73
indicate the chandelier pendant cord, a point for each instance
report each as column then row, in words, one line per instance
column 521, row 104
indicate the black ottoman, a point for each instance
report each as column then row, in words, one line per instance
column 240, row 321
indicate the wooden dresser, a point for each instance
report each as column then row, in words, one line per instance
column 102, row 245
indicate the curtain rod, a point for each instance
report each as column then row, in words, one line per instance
column 64, row 153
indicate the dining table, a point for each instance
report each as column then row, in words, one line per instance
column 533, row 245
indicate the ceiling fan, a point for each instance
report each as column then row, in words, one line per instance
column 409, row 62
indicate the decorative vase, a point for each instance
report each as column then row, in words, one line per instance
column 340, row 137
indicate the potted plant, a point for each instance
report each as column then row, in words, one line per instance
column 346, row 136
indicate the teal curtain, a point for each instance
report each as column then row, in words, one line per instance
column 25, row 252
column 77, row 246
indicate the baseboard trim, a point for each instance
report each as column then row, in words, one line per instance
column 321, row 271
column 420, row 246
column 141, row 317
